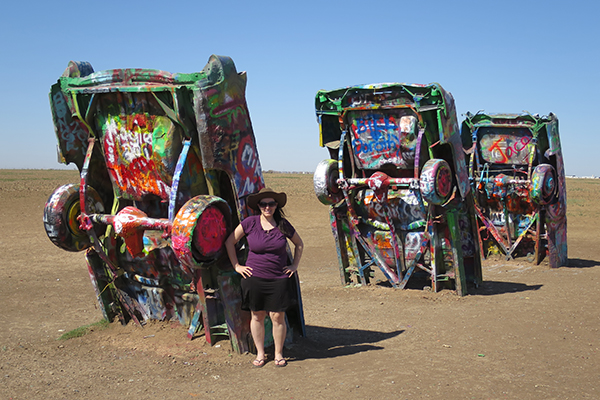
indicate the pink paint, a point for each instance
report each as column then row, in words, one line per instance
column 444, row 182
column 210, row 232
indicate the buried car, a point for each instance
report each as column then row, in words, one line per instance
column 397, row 185
column 517, row 174
column 166, row 164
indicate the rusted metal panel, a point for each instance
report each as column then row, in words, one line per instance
column 166, row 162
column 517, row 173
column 397, row 184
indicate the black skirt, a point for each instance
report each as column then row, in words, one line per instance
column 259, row 294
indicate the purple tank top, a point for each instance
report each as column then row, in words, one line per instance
column 268, row 251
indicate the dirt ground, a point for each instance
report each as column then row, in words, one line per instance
column 529, row 332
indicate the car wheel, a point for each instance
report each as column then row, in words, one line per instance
column 199, row 231
column 543, row 184
column 325, row 182
column 78, row 69
column 436, row 181
column 61, row 214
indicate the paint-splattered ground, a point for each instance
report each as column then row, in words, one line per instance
column 528, row 333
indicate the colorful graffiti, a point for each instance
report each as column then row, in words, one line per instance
column 401, row 206
column 249, row 167
column 166, row 161
column 505, row 149
column 379, row 139
column 71, row 132
column 397, row 185
column 128, row 149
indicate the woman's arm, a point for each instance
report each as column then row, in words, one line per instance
column 235, row 237
column 298, row 249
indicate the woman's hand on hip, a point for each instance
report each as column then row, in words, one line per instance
column 243, row 270
column 290, row 269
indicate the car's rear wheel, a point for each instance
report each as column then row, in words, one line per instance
column 436, row 181
column 325, row 182
column 544, row 184
column 61, row 217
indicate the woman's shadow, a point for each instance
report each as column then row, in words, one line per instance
column 324, row 342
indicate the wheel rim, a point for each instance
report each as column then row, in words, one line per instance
column 73, row 222
column 444, row 181
column 210, row 232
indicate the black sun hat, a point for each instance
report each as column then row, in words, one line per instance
column 254, row 199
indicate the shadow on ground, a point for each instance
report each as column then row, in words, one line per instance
column 322, row 342
column 579, row 263
column 489, row 288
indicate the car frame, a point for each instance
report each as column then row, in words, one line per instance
column 397, row 186
column 516, row 169
column 166, row 164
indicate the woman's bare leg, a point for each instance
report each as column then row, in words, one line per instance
column 257, row 328
column 279, row 332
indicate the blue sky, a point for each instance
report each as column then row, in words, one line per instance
column 538, row 56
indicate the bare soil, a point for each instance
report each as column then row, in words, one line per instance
column 529, row 332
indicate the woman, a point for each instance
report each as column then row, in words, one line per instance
column 266, row 284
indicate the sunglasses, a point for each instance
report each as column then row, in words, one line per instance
column 264, row 204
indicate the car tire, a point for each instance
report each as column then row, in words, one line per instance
column 544, row 184
column 79, row 69
column 60, row 217
column 199, row 231
column 436, row 181
column 325, row 182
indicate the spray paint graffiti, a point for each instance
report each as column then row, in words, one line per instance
column 249, row 167
column 403, row 206
column 505, row 149
column 72, row 134
column 397, row 185
column 166, row 161
column 128, row 148
column 378, row 139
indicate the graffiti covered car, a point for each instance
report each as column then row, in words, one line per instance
column 517, row 174
column 166, row 164
column 397, row 186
